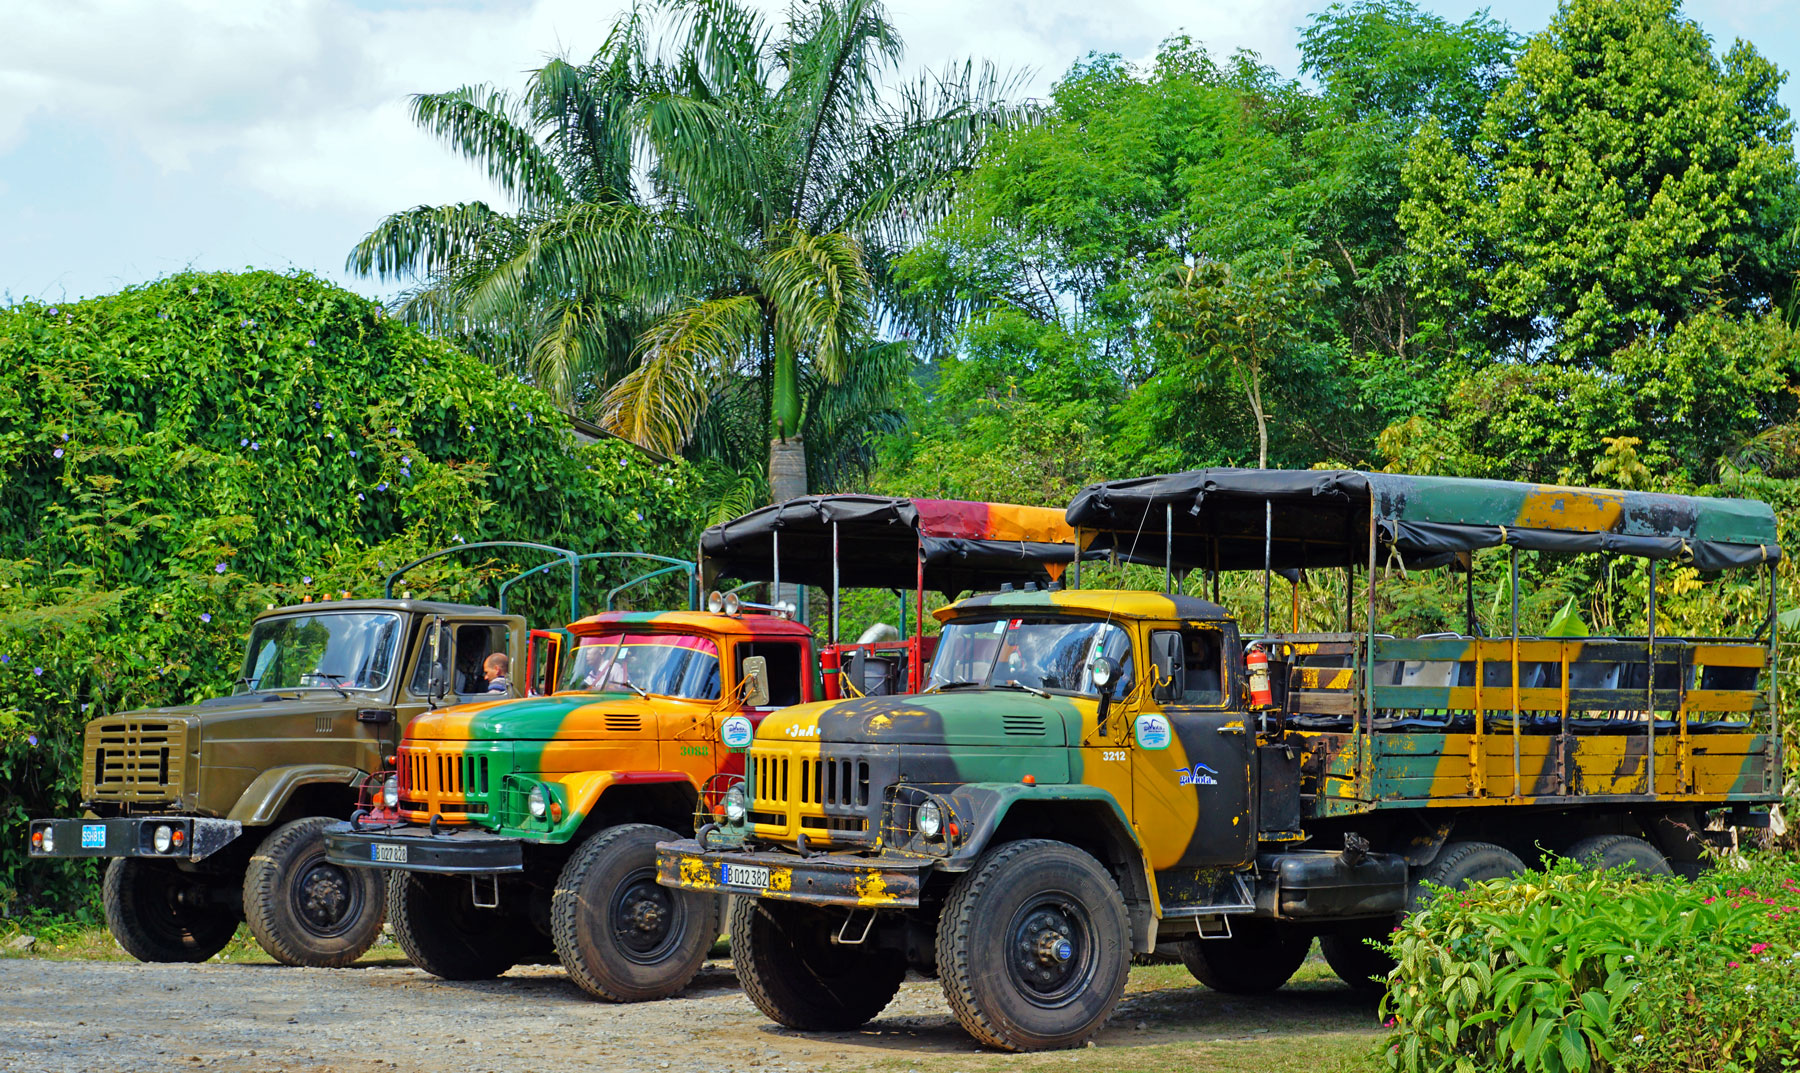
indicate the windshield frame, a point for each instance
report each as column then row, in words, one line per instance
column 614, row 639
column 249, row 685
column 1029, row 617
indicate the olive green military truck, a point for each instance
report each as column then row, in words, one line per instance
column 213, row 813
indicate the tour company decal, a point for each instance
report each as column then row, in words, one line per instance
column 1198, row 775
column 1152, row 731
column 736, row 732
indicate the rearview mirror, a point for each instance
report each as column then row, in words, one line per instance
column 437, row 649
column 1167, row 657
column 756, row 681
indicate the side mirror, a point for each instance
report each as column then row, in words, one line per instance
column 756, row 681
column 1105, row 675
column 1169, row 660
column 437, row 650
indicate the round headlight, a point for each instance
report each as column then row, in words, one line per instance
column 49, row 834
column 737, row 804
column 161, row 838
column 538, row 801
column 1102, row 669
column 931, row 820
column 715, row 602
column 390, row 792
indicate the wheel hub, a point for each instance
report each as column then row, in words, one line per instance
column 647, row 921
column 1046, row 951
column 324, row 897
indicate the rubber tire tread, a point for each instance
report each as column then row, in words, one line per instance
column 1636, row 851
column 436, row 944
column 120, row 890
column 1361, row 966
column 566, row 911
column 771, row 987
column 265, row 901
column 1460, row 863
column 954, row 940
column 1255, row 961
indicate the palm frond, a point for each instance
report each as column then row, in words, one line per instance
column 821, row 292
column 680, row 357
column 483, row 124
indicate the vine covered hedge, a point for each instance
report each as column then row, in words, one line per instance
column 1571, row 971
column 178, row 456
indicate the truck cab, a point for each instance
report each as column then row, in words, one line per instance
column 521, row 827
column 212, row 813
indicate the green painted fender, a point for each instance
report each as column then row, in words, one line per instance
column 265, row 797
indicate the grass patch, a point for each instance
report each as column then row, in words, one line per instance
column 72, row 939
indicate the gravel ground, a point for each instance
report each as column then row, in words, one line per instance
column 85, row 1016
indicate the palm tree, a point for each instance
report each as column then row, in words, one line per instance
column 705, row 216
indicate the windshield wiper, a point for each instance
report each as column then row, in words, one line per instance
column 1016, row 684
column 953, row 685
column 331, row 680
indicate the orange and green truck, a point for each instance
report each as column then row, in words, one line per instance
column 514, row 829
column 1088, row 775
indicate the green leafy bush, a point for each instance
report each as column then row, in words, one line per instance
column 177, row 457
column 1573, row 970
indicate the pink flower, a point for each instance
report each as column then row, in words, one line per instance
column 1757, row 948
column 1708, row 901
column 1733, row 965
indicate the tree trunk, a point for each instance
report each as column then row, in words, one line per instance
column 787, row 480
column 1262, row 421
column 787, row 451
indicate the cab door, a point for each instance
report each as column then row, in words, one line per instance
column 1191, row 753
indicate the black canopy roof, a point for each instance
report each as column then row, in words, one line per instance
column 1322, row 518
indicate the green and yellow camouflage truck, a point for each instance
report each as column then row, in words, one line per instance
column 213, row 813
column 1090, row 775
column 521, row 826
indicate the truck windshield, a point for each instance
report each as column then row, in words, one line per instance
column 343, row 649
column 1048, row 654
column 667, row 664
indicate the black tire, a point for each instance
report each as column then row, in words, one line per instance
column 622, row 937
column 1357, row 963
column 1620, row 851
column 1457, row 865
column 437, row 924
column 302, row 908
column 1033, row 946
column 793, row 972
column 160, row 913
column 1256, row 959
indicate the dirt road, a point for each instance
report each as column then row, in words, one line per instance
column 87, row 1017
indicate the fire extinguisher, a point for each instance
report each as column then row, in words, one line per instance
column 1256, row 661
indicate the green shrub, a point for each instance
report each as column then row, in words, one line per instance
column 177, row 457
column 1577, row 970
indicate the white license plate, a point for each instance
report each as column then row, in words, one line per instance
column 387, row 853
column 93, row 836
column 746, row 875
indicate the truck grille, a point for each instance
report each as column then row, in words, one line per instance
column 451, row 783
column 134, row 760
column 793, row 793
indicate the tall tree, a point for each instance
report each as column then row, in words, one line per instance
column 1622, row 179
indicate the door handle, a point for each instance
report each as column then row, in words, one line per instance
column 1232, row 730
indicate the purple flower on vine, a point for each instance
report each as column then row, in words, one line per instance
column 312, row 342
column 5, row 659
column 58, row 453
column 306, row 581
column 243, row 443
column 206, row 616
column 32, row 738
column 382, row 487
column 359, row 497
column 393, row 431
column 39, row 671
column 406, row 473
column 218, row 568
column 254, row 446
column 406, row 460
column 352, row 454
column 65, row 437
column 53, row 311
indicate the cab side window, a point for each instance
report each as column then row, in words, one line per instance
column 1198, row 666
column 785, row 669
column 474, row 676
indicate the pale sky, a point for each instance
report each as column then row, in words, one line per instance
column 138, row 139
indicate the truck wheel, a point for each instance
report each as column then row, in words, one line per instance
column 160, row 913
column 1357, row 963
column 793, row 972
column 1033, row 946
column 1620, row 851
column 1256, row 959
column 622, row 937
column 305, row 910
column 1457, row 865
column 437, row 924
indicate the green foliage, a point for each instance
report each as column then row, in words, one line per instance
column 1622, row 179
column 1574, row 970
column 176, row 457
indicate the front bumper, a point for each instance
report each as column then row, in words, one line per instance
column 132, row 836
column 413, row 848
column 886, row 881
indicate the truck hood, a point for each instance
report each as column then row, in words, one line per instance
column 224, row 713
column 1000, row 717
column 564, row 716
